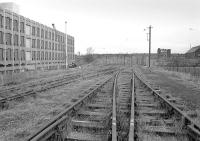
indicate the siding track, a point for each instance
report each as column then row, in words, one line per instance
column 37, row 87
column 122, row 107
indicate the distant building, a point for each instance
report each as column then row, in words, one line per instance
column 193, row 52
column 163, row 53
column 11, row 6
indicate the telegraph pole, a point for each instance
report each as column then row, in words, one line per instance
column 149, row 45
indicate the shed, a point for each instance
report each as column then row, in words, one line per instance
column 194, row 52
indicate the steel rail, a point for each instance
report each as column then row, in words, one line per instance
column 53, row 125
column 188, row 122
column 132, row 119
column 43, row 81
column 48, row 85
column 114, row 111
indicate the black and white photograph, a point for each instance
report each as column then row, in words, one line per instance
column 99, row 70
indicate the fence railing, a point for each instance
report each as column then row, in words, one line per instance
column 194, row 71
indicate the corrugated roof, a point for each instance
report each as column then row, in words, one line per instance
column 193, row 49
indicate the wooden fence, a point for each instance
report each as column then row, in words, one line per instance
column 194, row 71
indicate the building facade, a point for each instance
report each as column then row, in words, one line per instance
column 163, row 53
column 29, row 45
column 70, row 50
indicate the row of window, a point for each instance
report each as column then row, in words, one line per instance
column 38, row 54
column 8, row 24
column 10, row 57
column 47, row 56
column 39, row 44
column 70, row 41
column 30, row 30
column 45, row 45
column 8, row 39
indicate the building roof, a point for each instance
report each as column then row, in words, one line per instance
column 193, row 49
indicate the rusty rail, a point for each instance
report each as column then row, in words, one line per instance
column 114, row 115
column 132, row 119
column 56, row 126
column 47, row 85
column 192, row 126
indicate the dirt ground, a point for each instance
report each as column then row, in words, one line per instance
column 176, row 85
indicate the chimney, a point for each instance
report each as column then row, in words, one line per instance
column 53, row 25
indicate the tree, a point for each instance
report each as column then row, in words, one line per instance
column 89, row 57
column 90, row 50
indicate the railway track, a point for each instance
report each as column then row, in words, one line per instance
column 124, row 108
column 32, row 89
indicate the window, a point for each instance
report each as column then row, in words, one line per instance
column 53, row 56
column 1, row 20
column 8, row 54
column 1, row 37
column 46, row 55
column 50, row 45
column 16, row 54
column 38, row 32
column 46, row 34
column 28, row 30
column 22, row 55
column 1, row 54
column 22, row 27
column 8, row 38
column 22, row 41
column 8, row 23
column 58, row 46
column 33, row 43
column 55, row 46
column 33, row 55
column 42, row 33
column 42, row 55
column 16, row 38
column 46, row 45
column 42, row 44
column 38, row 43
column 15, row 25
column 52, row 36
column 49, row 55
column 33, row 30
column 49, row 35
column 28, row 43
column 38, row 55
column 58, row 56
column 58, row 38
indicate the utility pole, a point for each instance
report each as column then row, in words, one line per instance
column 149, row 39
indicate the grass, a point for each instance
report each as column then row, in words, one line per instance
column 24, row 118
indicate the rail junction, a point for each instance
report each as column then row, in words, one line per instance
column 124, row 107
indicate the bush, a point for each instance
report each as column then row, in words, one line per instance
column 88, row 58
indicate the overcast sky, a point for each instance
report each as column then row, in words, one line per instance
column 117, row 26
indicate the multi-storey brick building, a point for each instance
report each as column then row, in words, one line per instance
column 29, row 45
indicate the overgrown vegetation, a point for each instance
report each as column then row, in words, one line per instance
column 88, row 58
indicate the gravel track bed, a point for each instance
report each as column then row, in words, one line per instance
column 27, row 116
